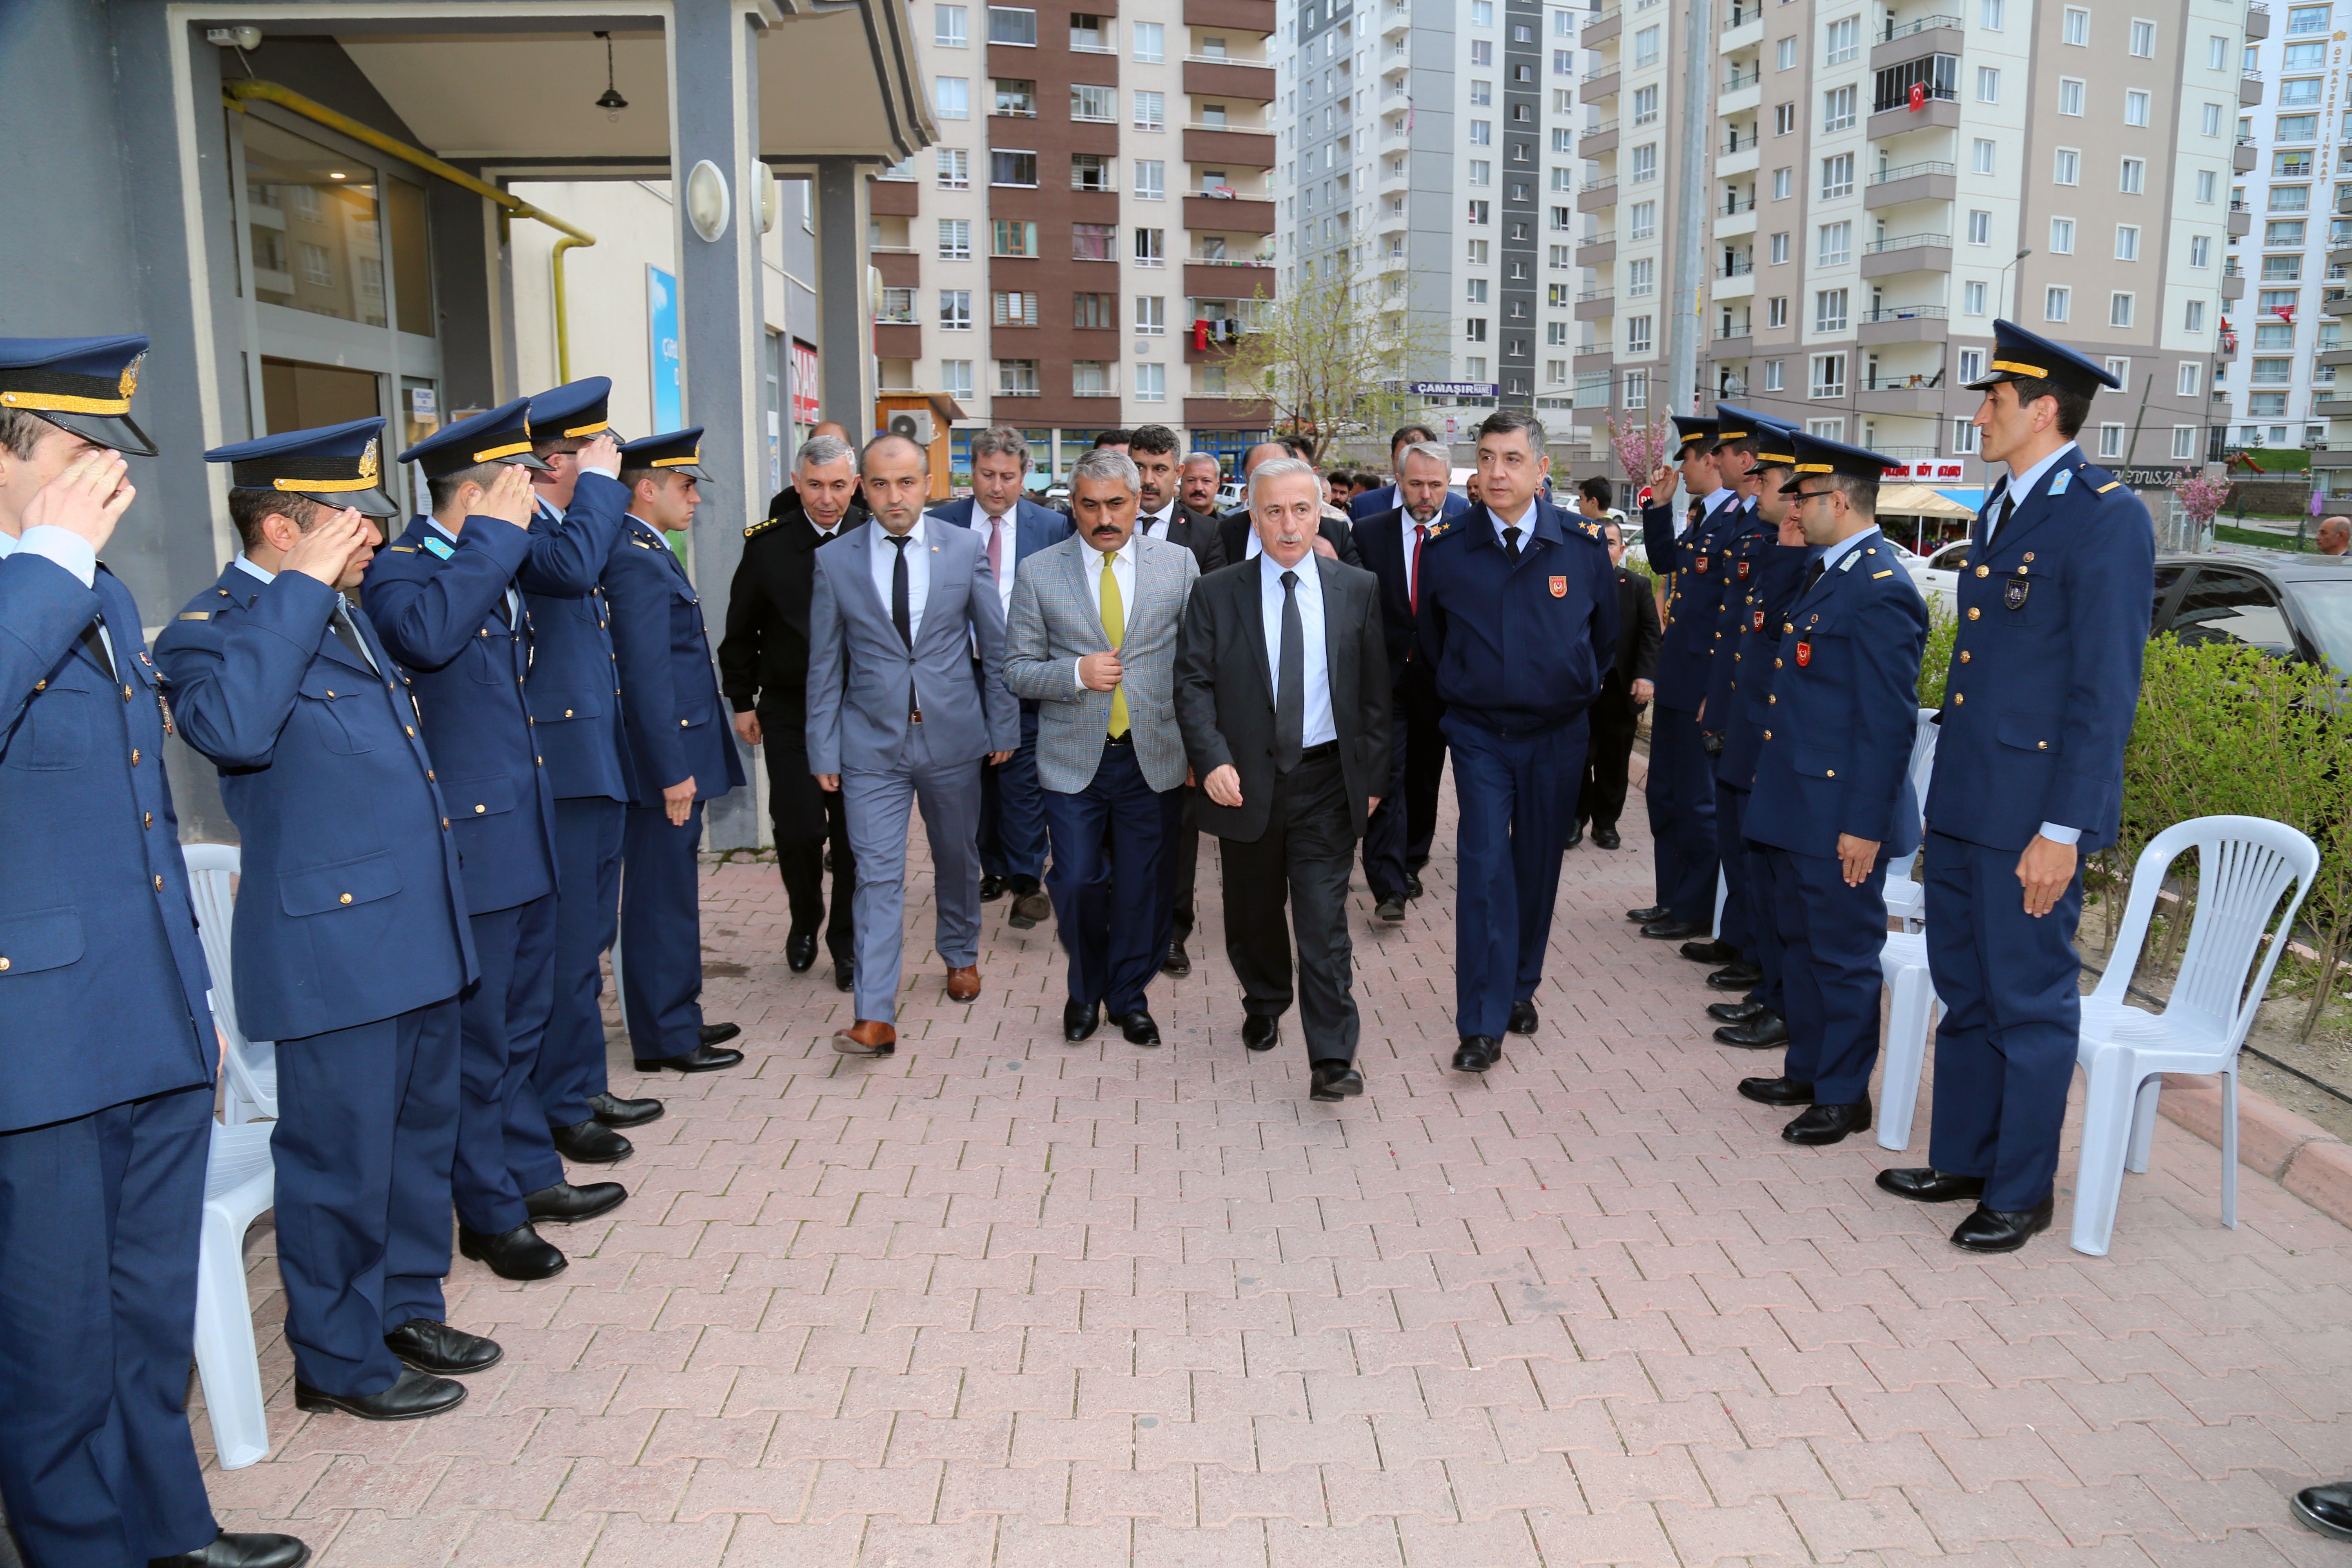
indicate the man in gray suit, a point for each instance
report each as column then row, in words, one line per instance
column 1092, row 641
column 899, row 711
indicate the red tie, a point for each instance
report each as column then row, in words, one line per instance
column 996, row 548
column 1420, row 538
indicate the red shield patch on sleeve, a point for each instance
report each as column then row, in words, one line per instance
column 1560, row 587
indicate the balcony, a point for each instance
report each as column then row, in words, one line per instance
column 1736, row 155
column 1940, row 112
column 1593, row 361
column 1228, row 280
column 2242, row 223
column 1229, row 149
column 2244, row 157
column 1907, row 253
column 1599, row 84
column 1247, row 16
column 1730, row 225
column 1229, row 78
column 2233, row 286
column 1597, row 143
column 1596, row 305
column 895, row 198
column 1927, row 182
column 1920, row 394
column 2258, row 22
column 1737, row 344
column 2249, row 90
column 1596, row 253
column 1728, row 285
column 1901, row 41
column 1743, row 28
column 1228, row 214
column 1598, row 29
column 2335, row 357
column 1901, row 324
column 1597, row 196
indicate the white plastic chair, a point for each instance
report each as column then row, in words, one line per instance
column 1911, row 1005
column 240, row 1184
column 2244, row 866
column 1907, row 900
column 251, row 1066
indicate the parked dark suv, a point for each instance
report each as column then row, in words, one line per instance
column 2300, row 607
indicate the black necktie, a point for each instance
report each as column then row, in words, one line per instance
column 97, row 645
column 1511, row 543
column 1290, row 681
column 349, row 635
column 1812, row 575
column 900, row 616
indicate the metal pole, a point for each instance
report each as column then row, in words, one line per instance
column 1692, row 207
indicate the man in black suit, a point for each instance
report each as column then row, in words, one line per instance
column 1624, row 691
column 1334, row 539
column 1282, row 692
column 764, row 669
column 1396, row 844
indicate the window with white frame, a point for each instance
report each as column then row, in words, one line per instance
column 1780, row 248
column 2208, row 184
column 2070, row 95
column 2136, row 107
column 1837, row 175
column 949, row 26
column 2062, row 236
column 1641, row 278
column 1151, row 111
column 2143, row 40
column 1150, row 180
column 2192, row 316
column 2132, row 179
column 1837, row 109
column 955, row 240
column 1643, row 165
column 1637, row 334
column 1150, row 39
column 1842, row 40
column 1088, row 101
column 2184, row 442
column 951, row 97
column 955, row 378
column 1987, row 84
column 2067, row 168
column 1781, row 181
column 1836, row 245
column 1151, row 316
column 1980, row 226
column 1637, row 389
column 1645, row 47
column 1784, row 119
column 955, row 310
column 2210, row 120
column 1152, row 384
column 1776, row 310
column 2111, row 441
column 1774, row 374
column 1017, row 378
column 1645, row 105
column 2190, row 380
column 1642, row 221
column 1972, row 298
column 1827, row 429
column 1829, row 378
column 1784, row 54
column 1972, row 362
column 1981, row 155
column 2127, row 242
column 1989, row 15
column 1828, row 310
column 955, row 168
column 2056, row 303
column 1092, row 378
column 2120, row 309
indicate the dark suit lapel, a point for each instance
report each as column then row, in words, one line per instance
column 1328, row 579
column 1251, row 592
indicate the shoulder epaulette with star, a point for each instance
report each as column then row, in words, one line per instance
column 761, row 526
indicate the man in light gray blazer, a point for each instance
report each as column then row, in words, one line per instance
column 1092, row 641
column 899, row 711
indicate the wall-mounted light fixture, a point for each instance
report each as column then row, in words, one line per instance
column 708, row 205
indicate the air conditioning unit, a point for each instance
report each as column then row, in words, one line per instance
column 915, row 424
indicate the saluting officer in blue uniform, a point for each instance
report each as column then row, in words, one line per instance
column 347, row 856
column 106, row 1039
column 1834, row 799
column 1680, row 787
column 444, row 601
column 1519, row 619
column 1767, row 566
column 576, row 694
column 2029, row 777
column 682, row 753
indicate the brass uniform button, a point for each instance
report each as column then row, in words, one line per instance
column 567, row 712
column 480, row 809
column 1964, row 656
column 681, row 723
column 411, row 731
column 40, row 686
column 444, row 824
column 1984, row 571
column 1830, row 772
column 1973, row 613
column 1768, row 735
column 147, row 819
column 1776, row 663
column 1773, row 700
column 429, row 778
column 345, row 899
column 134, row 756
column 3, row 965
column 1959, row 697
column 2040, row 745
column 126, row 694
column 158, row 884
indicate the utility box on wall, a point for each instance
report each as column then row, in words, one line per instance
column 924, row 418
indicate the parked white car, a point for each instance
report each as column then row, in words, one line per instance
column 1937, row 574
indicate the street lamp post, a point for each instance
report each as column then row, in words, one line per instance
column 2004, row 279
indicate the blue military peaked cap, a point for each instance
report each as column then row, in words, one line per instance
column 571, row 411
column 1690, row 430
column 81, row 385
column 500, row 435
column 1776, row 443
column 2020, row 356
column 335, row 465
column 679, row 452
column 1732, row 423
column 1815, row 456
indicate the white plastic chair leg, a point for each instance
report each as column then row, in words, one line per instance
column 2142, row 1133
column 1910, row 1008
column 2229, row 1144
column 226, row 1357
column 1722, row 897
column 2110, row 1096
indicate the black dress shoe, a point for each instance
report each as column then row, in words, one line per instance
column 1606, row 838
column 1712, row 951
column 1178, row 963
column 845, row 976
column 1734, row 1012
column 564, row 1203
column 1523, row 1018
column 2325, row 1509
column 992, row 888
column 614, row 1111
column 1819, row 1124
column 719, row 1033
column 702, row 1059
column 413, row 1397
column 1389, row 911
column 1642, row 917
column 1413, row 884
column 2003, row 1230
column 227, row 1550
column 1476, row 1053
column 1776, row 1090
column 517, row 1254
column 1735, row 977
column 1671, row 930
column 591, row 1142
column 1261, row 1031
column 441, row 1350
column 1575, row 837
column 1032, row 907
column 1138, row 1027
column 800, row 952
column 1761, row 1032
column 1927, row 1184
column 1336, row 1079
column 1080, row 1020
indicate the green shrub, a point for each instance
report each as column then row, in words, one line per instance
column 1935, row 662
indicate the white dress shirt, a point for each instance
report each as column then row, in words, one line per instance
column 1008, row 550
column 67, row 548
column 514, row 600
column 1524, row 523
column 1155, row 524
column 2021, row 486
column 918, row 572
column 1412, row 566
column 1122, row 572
column 1316, row 725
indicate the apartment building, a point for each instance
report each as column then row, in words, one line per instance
column 1881, row 181
column 1098, row 206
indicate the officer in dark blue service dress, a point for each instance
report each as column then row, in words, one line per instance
column 1832, row 801
column 106, row 1049
column 1518, row 618
column 443, row 599
column 682, row 753
column 347, row 856
column 2029, row 777
column 575, row 693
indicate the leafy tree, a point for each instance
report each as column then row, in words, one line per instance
column 1332, row 362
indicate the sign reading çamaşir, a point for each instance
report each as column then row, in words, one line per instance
column 1456, row 388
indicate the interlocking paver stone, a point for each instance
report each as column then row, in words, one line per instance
column 1003, row 1302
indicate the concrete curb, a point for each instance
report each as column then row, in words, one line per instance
column 2298, row 1154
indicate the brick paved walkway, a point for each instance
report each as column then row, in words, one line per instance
column 1003, row 1302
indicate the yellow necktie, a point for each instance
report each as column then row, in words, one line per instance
column 1114, row 621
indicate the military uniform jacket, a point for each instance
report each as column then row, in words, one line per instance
column 445, row 622
column 1517, row 647
column 1844, row 707
column 676, row 729
column 102, row 981
column 352, row 909
column 1758, row 605
column 1741, row 553
column 2045, row 671
column 764, row 660
column 574, row 691
column 1694, row 596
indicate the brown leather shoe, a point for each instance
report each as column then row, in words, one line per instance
column 866, row 1038
column 963, row 985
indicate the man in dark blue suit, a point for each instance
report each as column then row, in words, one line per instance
column 444, row 601
column 1012, row 837
column 1376, row 502
column 2029, row 778
column 347, row 850
column 574, row 692
column 1832, row 801
column 106, row 1041
column 1680, row 787
column 1397, row 840
column 1518, row 617
column 682, row 753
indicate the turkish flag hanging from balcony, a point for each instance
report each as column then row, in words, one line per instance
column 1199, row 334
column 1919, row 96
column 2283, row 313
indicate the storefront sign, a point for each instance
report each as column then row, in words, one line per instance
column 669, row 369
